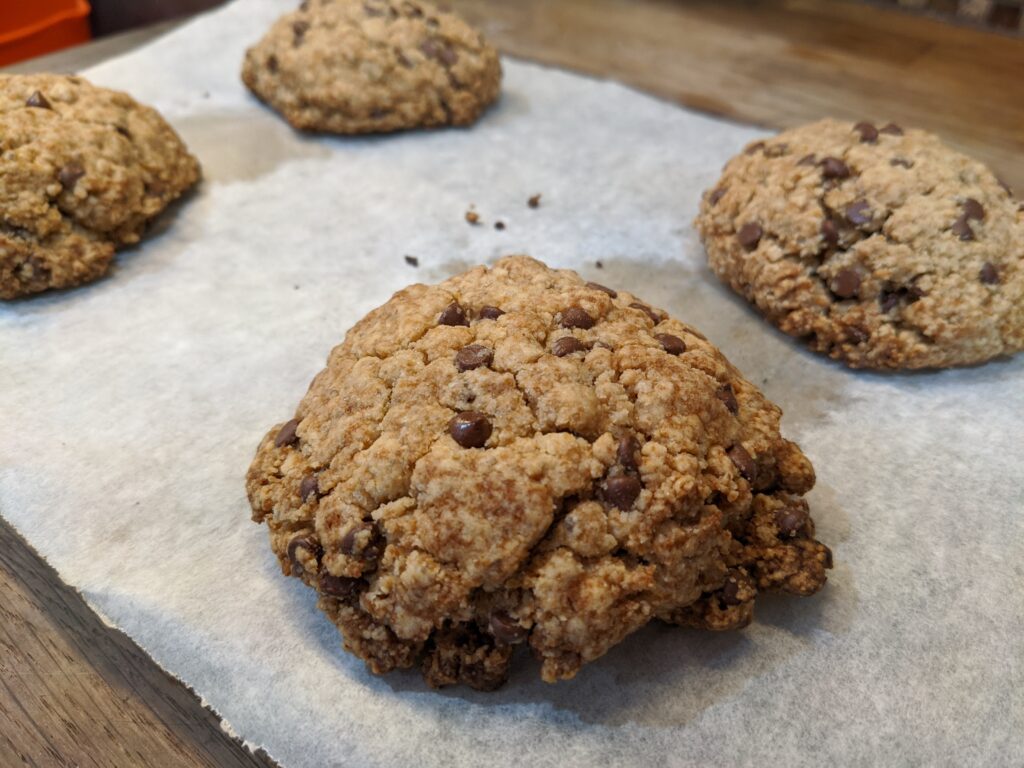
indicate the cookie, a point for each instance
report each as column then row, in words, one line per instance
column 878, row 245
column 82, row 169
column 516, row 457
column 373, row 66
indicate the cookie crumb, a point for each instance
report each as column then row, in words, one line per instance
column 534, row 202
column 599, row 265
column 412, row 261
column 472, row 217
column 499, row 225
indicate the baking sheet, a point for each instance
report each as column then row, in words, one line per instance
column 131, row 409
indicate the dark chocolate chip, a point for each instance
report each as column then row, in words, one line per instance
column 807, row 160
column 962, row 228
column 671, row 344
column 829, row 232
column 887, row 300
column 790, row 521
column 490, row 313
column 757, row 146
column 743, row 460
column 730, row 591
column 306, row 541
column 566, row 345
column 340, row 587
column 892, row 129
column 534, row 202
column 470, row 429
column 69, row 175
column 828, row 556
column 286, row 435
column 728, row 397
column 299, row 29
column 577, row 317
column 858, row 212
column 655, row 317
column 834, row 168
column 309, row 487
column 846, row 283
column 123, row 131
column 473, row 356
column 622, row 490
column 599, row 287
column 989, row 274
column 856, row 334
column 716, row 195
column 412, row 261
column 626, row 452
column 868, row 132
column 973, row 209
column 750, row 235
column 505, row 629
column 38, row 100
column 439, row 51
column 902, row 162
column 272, row 64
column 363, row 541
column 453, row 314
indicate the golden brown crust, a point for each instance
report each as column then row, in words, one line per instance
column 82, row 169
column 881, row 246
column 373, row 66
column 450, row 505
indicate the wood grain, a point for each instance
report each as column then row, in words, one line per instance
column 780, row 63
column 76, row 692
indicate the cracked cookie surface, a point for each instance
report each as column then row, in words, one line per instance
column 82, row 169
column 518, row 457
column 373, row 66
column 880, row 245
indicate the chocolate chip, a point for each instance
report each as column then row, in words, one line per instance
column 846, row 283
column 962, row 228
column 439, row 51
column 716, row 195
column 1005, row 186
column 299, row 29
column 807, row 160
column 412, row 261
column 340, row 587
column 757, row 146
column 123, row 131
column 750, row 235
column 834, row 168
column 892, row 129
column 858, row 212
column 902, row 162
column 622, row 490
column 829, row 232
column 534, row 202
column 577, row 317
column 790, row 521
column 490, row 313
column 776, row 150
column 868, row 132
column 506, row 629
column 309, row 486
column 470, row 429
column 730, row 591
column 973, row 209
column 887, row 300
column 857, row 335
column 499, row 225
column 828, row 556
column 306, row 541
column 743, row 460
column 473, row 356
column 286, row 435
column 363, row 541
column 69, row 175
column 626, row 452
column 655, row 317
column 989, row 274
column 453, row 314
column 671, row 344
column 566, row 345
column 38, row 100
column 599, row 287
column 728, row 397
column 272, row 64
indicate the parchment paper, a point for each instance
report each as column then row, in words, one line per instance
column 131, row 410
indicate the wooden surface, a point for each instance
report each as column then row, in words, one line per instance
column 75, row 692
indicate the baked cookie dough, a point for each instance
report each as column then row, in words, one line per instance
column 373, row 66
column 518, row 457
column 82, row 169
column 879, row 245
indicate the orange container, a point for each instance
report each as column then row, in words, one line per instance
column 30, row 28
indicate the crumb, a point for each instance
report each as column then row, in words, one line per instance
column 499, row 225
column 472, row 217
column 534, row 202
column 412, row 261
column 599, row 265
column 295, row 287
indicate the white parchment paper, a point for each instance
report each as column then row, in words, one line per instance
column 131, row 409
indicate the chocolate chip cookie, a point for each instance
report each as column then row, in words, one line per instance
column 82, row 169
column 516, row 457
column 879, row 245
column 373, row 66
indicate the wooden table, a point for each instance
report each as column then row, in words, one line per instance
column 73, row 691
